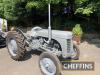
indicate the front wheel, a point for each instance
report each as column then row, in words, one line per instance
column 75, row 53
column 49, row 64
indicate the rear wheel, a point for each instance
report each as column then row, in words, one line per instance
column 49, row 64
column 15, row 45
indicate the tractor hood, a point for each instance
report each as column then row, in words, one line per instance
column 55, row 33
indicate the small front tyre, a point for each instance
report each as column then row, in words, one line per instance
column 49, row 64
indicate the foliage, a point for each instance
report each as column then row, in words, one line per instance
column 70, row 23
column 56, row 23
column 7, row 9
column 25, row 10
column 40, row 3
column 77, row 30
column 34, row 4
column 87, row 6
column 86, row 11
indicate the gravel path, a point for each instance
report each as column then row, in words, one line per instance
column 89, row 52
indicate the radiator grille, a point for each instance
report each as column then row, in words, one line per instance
column 68, row 45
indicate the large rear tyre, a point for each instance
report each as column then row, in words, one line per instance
column 76, row 54
column 16, row 45
column 49, row 64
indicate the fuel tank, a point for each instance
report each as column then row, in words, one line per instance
column 55, row 33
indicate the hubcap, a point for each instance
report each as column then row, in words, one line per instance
column 12, row 46
column 47, row 66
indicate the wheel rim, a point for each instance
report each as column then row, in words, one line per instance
column 12, row 46
column 47, row 66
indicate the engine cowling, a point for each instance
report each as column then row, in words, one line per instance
column 38, row 31
column 35, row 30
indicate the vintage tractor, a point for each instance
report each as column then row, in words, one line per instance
column 53, row 44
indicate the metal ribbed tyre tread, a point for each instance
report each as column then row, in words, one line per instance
column 20, row 44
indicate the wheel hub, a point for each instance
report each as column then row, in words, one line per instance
column 12, row 46
column 48, row 66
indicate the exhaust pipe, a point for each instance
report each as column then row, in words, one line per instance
column 49, row 28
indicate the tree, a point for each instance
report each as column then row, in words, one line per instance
column 87, row 6
column 7, row 9
column 23, row 9
column 40, row 3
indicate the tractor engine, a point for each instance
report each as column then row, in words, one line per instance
column 60, row 44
